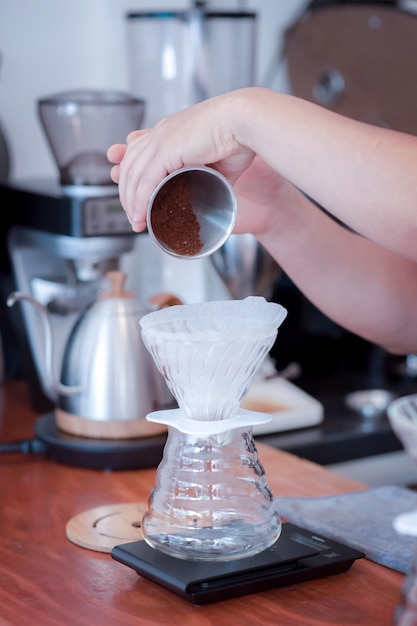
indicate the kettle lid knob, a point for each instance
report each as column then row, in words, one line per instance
column 117, row 281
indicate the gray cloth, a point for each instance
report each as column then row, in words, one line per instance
column 362, row 520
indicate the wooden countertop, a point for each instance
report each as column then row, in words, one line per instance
column 47, row 580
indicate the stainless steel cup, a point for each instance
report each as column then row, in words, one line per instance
column 192, row 212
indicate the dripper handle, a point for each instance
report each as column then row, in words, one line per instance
column 205, row 428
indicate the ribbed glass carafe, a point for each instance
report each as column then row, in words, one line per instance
column 211, row 500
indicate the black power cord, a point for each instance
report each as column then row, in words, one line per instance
column 25, row 446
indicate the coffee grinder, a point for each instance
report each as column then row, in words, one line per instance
column 66, row 234
column 63, row 237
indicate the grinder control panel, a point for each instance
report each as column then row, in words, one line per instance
column 105, row 216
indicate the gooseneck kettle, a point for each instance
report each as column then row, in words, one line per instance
column 108, row 381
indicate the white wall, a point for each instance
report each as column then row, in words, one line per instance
column 49, row 46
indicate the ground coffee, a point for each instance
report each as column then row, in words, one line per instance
column 173, row 219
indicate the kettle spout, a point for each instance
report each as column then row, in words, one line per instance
column 52, row 382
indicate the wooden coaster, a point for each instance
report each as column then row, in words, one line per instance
column 104, row 527
column 109, row 429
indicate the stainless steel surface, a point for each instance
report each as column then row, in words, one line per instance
column 51, row 381
column 246, row 267
column 63, row 273
column 106, row 356
column 213, row 202
column 66, row 247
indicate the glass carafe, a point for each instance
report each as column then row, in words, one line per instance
column 211, row 500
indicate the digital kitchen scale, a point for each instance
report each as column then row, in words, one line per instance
column 297, row 556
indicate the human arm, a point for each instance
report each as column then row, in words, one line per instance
column 363, row 175
column 363, row 287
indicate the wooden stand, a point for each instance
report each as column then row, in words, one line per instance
column 109, row 429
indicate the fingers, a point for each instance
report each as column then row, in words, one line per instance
column 116, row 153
column 140, row 172
column 115, row 174
column 136, row 133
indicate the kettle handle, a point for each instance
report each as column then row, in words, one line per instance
column 51, row 379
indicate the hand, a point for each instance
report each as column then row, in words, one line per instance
column 200, row 135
